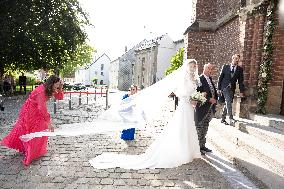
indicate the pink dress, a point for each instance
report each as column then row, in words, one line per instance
column 33, row 117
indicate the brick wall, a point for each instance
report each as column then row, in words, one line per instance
column 278, row 56
column 276, row 85
column 226, row 43
column 252, row 52
column 242, row 34
column 200, row 46
column 204, row 10
column 223, row 7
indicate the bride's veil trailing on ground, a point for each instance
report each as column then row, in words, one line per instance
column 132, row 112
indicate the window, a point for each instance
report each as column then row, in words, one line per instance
column 143, row 65
column 102, row 73
column 101, row 82
column 102, row 67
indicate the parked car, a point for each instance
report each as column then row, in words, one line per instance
column 67, row 86
column 79, row 86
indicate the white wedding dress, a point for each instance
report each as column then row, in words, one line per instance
column 176, row 145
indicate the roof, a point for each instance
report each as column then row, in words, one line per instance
column 104, row 54
column 146, row 44
column 179, row 41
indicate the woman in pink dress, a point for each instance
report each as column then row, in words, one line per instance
column 34, row 117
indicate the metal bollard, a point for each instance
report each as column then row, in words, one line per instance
column 87, row 97
column 54, row 105
column 80, row 100
column 95, row 94
column 2, row 103
column 70, row 102
column 106, row 98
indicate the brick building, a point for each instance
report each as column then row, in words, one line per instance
column 221, row 28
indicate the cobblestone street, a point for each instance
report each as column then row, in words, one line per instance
column 66, row 163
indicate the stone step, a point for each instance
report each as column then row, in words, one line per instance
column 260, row 161
column 248, row 141
column 229, row 171
column 268, row 134
column 274, row 121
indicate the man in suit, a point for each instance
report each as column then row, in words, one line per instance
column 230, row 74
column 205, row 112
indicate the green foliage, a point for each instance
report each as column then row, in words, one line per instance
column 265, row 74
column 31, row 80
column 176, row 61
column 95, row 80
column 38, row 34
column 83, row 55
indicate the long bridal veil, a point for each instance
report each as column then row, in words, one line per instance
column 132, row 112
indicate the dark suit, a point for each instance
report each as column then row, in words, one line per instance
column 23, row 83
column 227, row 84
column 205, row 112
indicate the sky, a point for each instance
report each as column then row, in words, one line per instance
column 120, row 23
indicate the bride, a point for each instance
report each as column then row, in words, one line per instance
column 178, row 143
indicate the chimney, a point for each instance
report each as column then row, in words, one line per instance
column 125, row 48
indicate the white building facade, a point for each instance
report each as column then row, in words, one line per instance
column 113, row 74
column 98, row 71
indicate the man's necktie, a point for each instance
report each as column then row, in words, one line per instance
column 233, row 69
column 211, row 87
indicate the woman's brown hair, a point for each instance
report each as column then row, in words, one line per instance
column 49, row 85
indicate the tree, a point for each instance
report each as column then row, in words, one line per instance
column 82, row 56
column 176, row 61
column 95, row 80
column 38, row 34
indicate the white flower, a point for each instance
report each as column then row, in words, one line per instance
column 263, row 75
column 197, row 96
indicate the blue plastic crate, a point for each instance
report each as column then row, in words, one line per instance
column 128, row 134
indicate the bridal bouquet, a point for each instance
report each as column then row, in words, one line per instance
column 199, row 97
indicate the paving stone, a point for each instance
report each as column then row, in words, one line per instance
column 103, row 175
column 106, row 181
column 126, row 175
column 156, row 183
column 119, row 182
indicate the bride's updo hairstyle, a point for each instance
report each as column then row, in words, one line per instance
column 191, row 61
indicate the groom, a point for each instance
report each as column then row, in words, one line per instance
column 205, row 112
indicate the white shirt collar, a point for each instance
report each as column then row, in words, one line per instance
column 232, row 66
column 206, row 77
